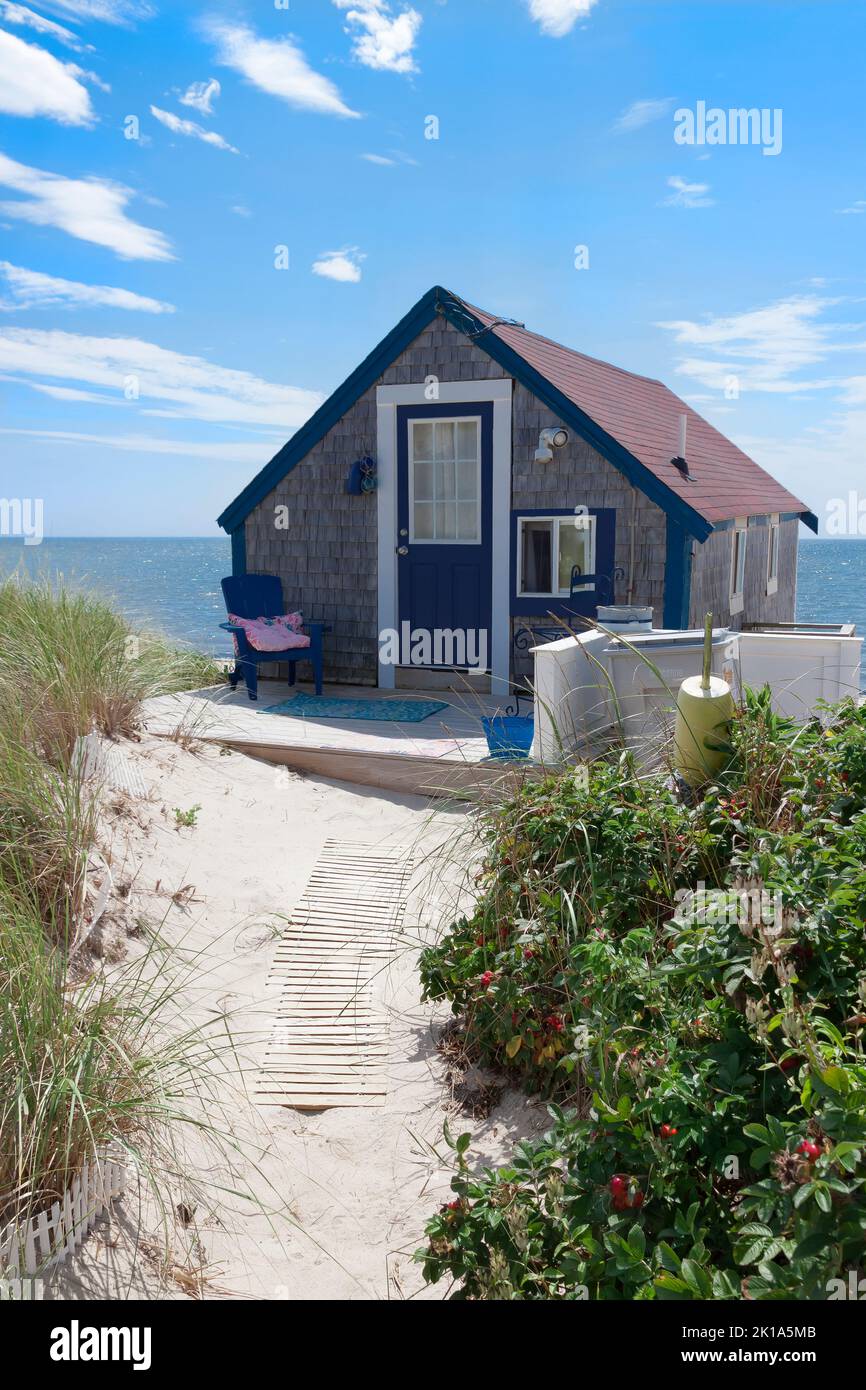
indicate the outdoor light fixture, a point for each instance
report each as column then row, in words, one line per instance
column 549, row 440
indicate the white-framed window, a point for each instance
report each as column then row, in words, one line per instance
column 445, row 481
column 773, row 538
column 548, row 548
column 739, row 543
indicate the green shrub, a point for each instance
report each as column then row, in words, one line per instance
column 704, row 1053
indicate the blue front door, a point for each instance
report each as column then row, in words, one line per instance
column 444, row 519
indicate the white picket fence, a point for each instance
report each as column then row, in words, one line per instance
column 48, row 1238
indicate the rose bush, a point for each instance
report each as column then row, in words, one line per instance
column 687, row 987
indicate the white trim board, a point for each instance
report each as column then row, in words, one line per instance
column 499, row 391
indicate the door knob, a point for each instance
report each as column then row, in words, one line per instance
column 402, row 550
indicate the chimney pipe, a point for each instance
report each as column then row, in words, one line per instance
column 680, row 460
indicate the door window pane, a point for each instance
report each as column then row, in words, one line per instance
column 467, row 439
column 467, row 521
column 444, row 439
column 422, row 443
column 467, row 479
column 424, row 480
column 446, row 521
column 444, row 473
column 424, row 521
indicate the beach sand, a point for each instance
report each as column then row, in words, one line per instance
column 340, row 1196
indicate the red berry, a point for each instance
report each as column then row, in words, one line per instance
column 637, row 1199
column 809, row 1149
column 617, row 1186
column 667, row 1131
column 486, row 978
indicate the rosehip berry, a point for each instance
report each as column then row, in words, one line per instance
column 486, row 978
column 667, row 1131
column 617, row 1186
column 810, row 1150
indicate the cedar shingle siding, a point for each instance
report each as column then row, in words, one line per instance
column 711, row 578
column 327, row 559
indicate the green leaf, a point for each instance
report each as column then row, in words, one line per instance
column 637, row 1240
column 758, row 1132
column 513, row 1046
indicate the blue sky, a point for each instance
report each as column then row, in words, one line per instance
column 152, row 356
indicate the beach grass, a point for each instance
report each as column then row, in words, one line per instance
column 73, row 664
column 91, row 1058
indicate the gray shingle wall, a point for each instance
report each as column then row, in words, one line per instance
column 578, row 475
column 327, row 558
column 711, row 578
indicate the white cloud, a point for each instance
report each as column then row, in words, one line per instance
column 28, row 19
column 558, row 17
column 191, row 128
column 169, row 384
column 276, row 66
column 379, row 159
column 35, row 83
column 241, row 210
column 640, row 113
column 247, row 453
column 857, row 208
column 31, row 289
column 344, row 266
column 687, row 195
column 769, row 349
column 91, row 209
column 108, row 11
column 201, row 96
column 381, row 39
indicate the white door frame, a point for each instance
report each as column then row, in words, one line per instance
column 388, row 398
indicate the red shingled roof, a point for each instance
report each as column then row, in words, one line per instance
column 643, row 416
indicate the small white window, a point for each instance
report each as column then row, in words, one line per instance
column 548, row 549
column 773, row 556
column 738, row 566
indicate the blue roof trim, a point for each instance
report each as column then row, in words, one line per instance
column 441, row 301
column 334, row 408
column 808, row 519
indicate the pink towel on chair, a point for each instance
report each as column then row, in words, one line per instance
column 273, row 634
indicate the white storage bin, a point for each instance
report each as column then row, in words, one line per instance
column 802, row 663
column 647, row 670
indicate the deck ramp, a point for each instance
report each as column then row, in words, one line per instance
column 329, row 1041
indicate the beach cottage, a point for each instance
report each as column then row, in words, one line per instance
column 473, row 482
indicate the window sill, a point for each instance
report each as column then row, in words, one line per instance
column 737, row 604
column 772, row 587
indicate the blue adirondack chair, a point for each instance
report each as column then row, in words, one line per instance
column 261, row 596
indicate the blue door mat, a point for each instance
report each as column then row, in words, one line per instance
column 303, row 706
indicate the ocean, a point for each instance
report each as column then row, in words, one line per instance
column 174, row 584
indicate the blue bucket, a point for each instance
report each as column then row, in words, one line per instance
column 509, row 736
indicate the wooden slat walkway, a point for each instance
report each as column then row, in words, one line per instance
column 329, row 1043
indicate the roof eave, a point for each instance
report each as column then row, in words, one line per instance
column 331, row 411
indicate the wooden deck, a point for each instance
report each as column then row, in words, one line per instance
column 443, row 755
